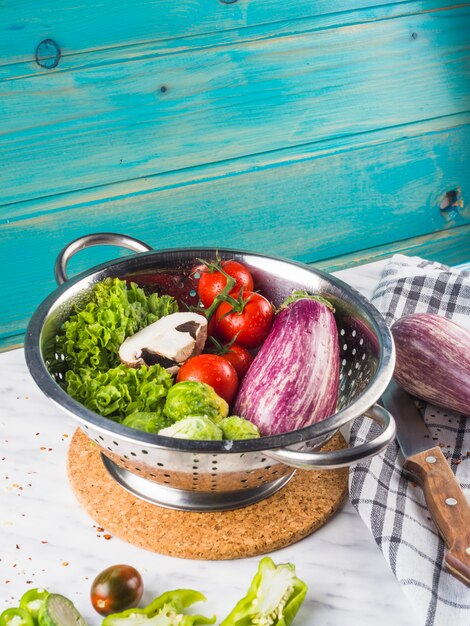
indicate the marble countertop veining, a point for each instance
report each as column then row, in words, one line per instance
column 48, row 540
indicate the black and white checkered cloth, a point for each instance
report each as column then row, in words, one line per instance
column 393, row 508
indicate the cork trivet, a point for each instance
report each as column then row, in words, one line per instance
column 304, row 504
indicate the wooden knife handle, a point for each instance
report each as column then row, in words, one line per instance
column 447, row 505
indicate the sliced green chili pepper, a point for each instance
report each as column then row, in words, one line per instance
column 16, row 617
column 273, row 599
column 166, row 610
column 33, row 600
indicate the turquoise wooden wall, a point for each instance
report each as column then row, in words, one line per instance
column 328, row 132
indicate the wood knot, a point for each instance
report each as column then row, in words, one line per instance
column 48, row 54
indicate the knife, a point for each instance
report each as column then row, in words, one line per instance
column 427, row 466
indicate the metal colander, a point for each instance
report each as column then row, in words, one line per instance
column 218, row 475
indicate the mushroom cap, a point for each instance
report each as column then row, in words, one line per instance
column 169, row 341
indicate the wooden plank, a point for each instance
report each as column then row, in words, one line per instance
column 107, row 24
column 50, row 63
column 312, row 209
column 449, row 247
column 75, row 130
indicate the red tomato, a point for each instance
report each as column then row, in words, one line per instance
column 211, row 283
column 115, row 589
column 251, row 324
column 213, row 370
column 239, row 357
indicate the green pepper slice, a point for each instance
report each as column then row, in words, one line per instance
column 273, row 599
column 33, row 600
column 166, row 610
column 16, row 617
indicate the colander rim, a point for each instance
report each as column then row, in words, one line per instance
column 87, row 418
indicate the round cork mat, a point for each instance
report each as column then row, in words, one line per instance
column 304, row 504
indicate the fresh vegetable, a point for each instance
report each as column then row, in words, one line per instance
column 273, row 599
column 248, row 318
column 115, row 310
column 213, row 279
column 32, row 600
column 194, row 427
column 148, row 422
column 293, row 381
column 433, row 360
column 169, row 341
column 116, row 588
column 121, row 390
column 235, row 427
column 58, row 610
column 16, row 616
column 189, row 398
column 166, row 610
column 212, row 370
column 237, row 355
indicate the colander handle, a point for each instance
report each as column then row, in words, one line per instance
column 341, row 458
column 95, row 239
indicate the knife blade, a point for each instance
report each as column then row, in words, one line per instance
column 427, row 466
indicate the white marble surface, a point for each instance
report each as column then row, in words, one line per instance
column 47, row 539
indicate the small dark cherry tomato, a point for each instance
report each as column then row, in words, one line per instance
column 249, row 320
column 211, row 282
column 213, row 370
column 239, row 357
column 115, row 589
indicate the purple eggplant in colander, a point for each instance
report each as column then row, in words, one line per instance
column 293, row 381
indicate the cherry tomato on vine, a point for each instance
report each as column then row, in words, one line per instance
column 115, row 589
column 212, row 282
column 213, row 370
column 239, row 357
column 249, row 319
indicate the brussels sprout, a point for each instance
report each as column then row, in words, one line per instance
column 190, row 397
column 193, row 427
column 235, row 427
column 147, row 421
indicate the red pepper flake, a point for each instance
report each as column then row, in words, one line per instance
column 7, row 581
column 44, row 542
column 107, row 537
column 17, row 547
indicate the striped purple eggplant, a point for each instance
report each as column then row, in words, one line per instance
column 293, row 380
column 433, row 360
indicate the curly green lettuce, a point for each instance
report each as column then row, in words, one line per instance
column 91, row 337
column 121, row 391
